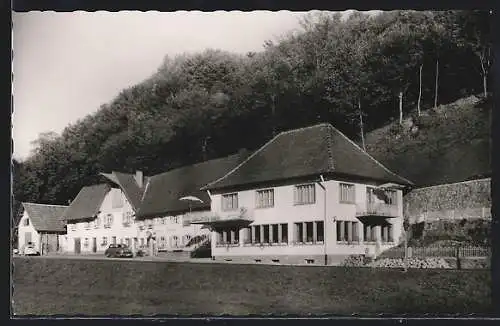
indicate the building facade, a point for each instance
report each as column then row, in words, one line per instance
column 172, row 199
column 111, row 222
column 148, row 213
column 308, row 196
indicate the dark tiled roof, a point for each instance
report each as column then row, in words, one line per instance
column 319, row 149
column 46, row 218
column 164, row 190
column 128, row 184
column 87, row 202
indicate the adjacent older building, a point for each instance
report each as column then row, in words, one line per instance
column 173, row 198
column 308, row 196
column 103, row 214
column 43, row 226
column 149, row 213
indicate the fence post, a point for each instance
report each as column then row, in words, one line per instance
column 459, row 263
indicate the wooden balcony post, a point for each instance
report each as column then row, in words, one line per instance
column 304, row 232
column 315, row 231
column 253, row 233
column 280, row 233
column 271, row 229
column 261, row 240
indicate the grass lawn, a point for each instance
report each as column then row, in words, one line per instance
column 99, row 287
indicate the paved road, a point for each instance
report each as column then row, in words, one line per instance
column 102, row 257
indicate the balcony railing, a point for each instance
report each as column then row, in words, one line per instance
column 243, row 214
column 377, row 209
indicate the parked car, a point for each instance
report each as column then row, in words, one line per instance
column 118, row 251
column 29, row 250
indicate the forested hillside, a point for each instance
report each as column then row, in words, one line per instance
column 358, row 74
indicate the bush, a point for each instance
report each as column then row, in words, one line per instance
column 357, row 261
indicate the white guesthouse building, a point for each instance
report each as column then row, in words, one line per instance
column 308, row 196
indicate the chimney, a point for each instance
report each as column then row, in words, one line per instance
column 139, row 178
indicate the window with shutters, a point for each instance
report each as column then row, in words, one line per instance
column 86, row 242
column 228, row 236
column 108, row 220
column 229, row 202
column 347, row 231
column 113, row 240
column 347, row 193
column 26, row 222
column 275, row 233
column 97, row 222
column 264, row 198
column 268, row 234
column 284, row 233
column 309, row 232
column 104, row 241
column 304, row 194
column 127, row 219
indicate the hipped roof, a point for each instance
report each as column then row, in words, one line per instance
column 314, row 150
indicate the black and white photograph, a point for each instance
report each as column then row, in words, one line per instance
column 251, row 163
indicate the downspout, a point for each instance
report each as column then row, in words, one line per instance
column 322, row 185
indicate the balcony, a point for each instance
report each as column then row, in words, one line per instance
column 242, row 216
column 376, row 209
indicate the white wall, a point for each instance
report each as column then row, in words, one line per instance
column 173, row 226
column 22, row 230
column 168, row 227
column 284, row 211
column 117, row 229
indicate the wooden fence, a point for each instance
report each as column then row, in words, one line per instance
column 438, row 251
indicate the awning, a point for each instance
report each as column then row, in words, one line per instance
column 218, row 221
column 374, row 220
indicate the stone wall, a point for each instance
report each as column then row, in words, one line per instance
column 463, row 200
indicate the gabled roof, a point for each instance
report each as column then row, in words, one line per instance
column 46, row 218
column 314, row 150
column 128, row 184
column 164, row 190
column 87, row 202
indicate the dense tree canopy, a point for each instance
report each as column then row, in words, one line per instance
column 210, row 104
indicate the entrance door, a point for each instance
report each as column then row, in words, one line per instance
column 27, row 237
column 94, row 244
column 78, row 245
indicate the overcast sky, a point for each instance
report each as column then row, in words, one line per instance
column 67, row 64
